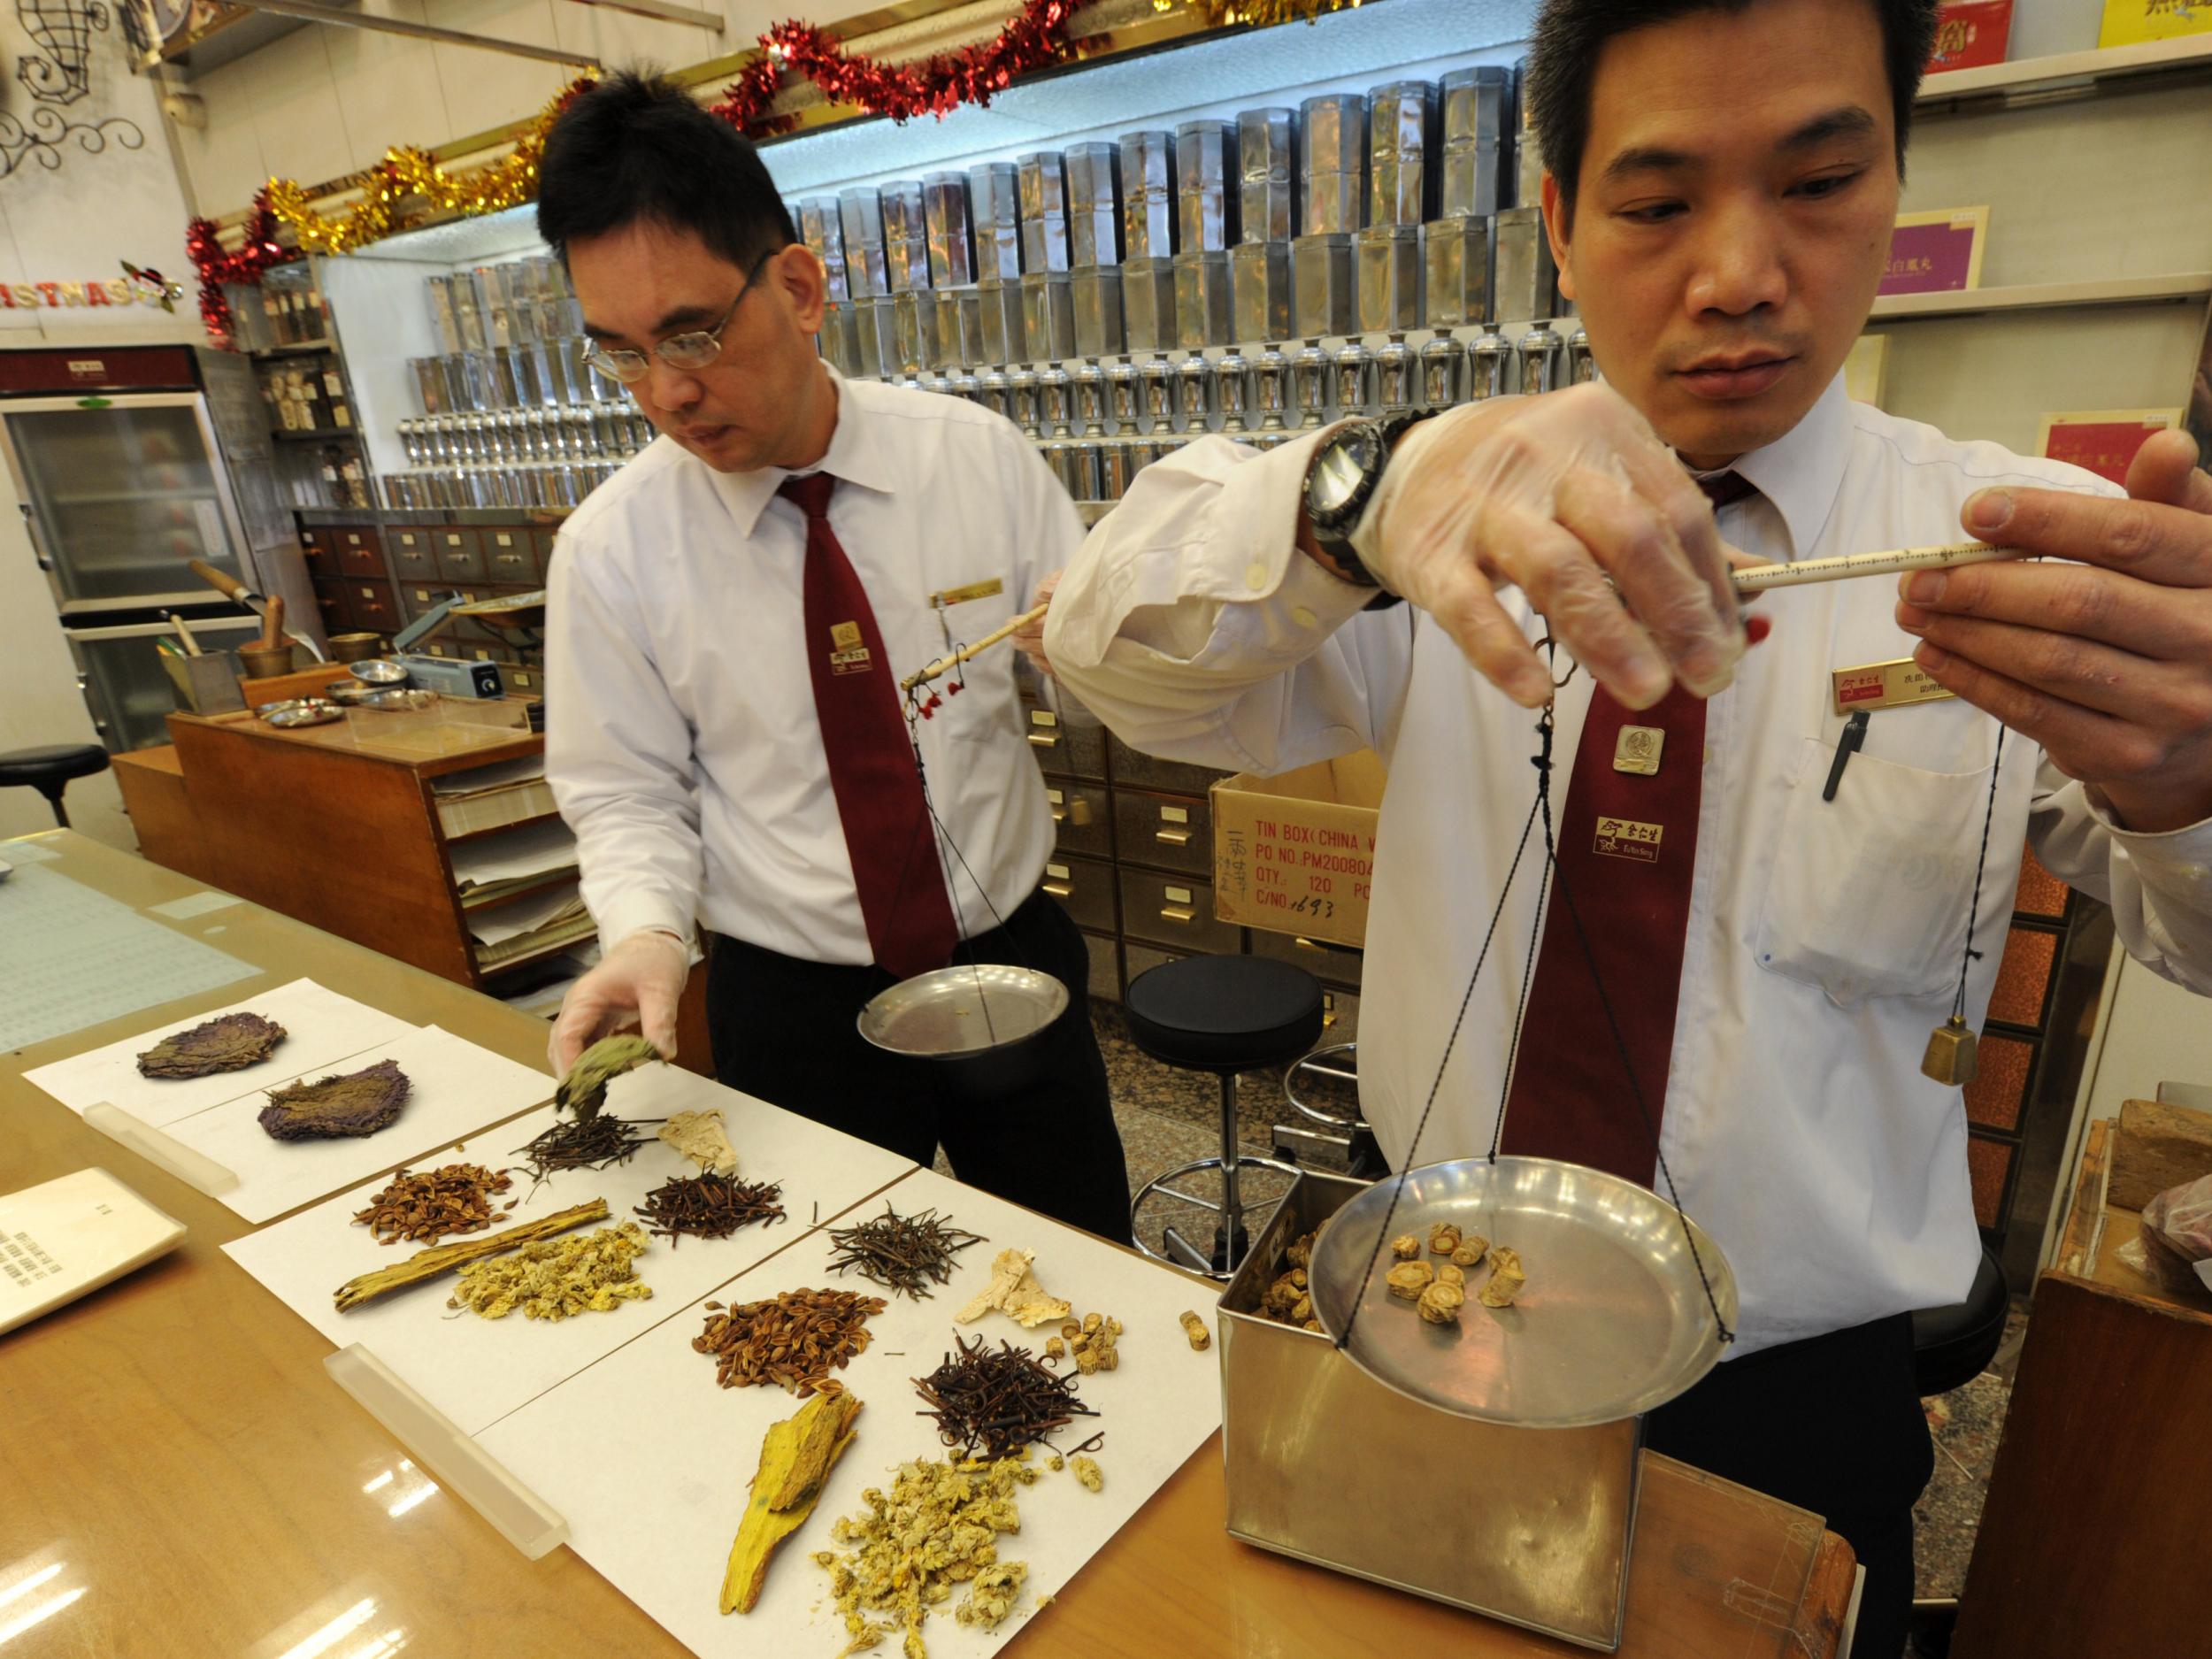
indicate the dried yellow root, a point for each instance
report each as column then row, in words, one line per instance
column 1405, row 1246
column 1409, row 1280
column 795, row 1458
column 1443, row 1239
column 1506, row 1279
column 1195, row 1328
column 1472, row 1247
column 1440, row 1303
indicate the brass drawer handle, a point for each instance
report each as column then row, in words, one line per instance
column 1044, row 742
column 1173, row 838
column 1060, row 889
column 1059, row 815
column 1176, row 913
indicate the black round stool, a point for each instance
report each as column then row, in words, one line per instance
column 49, row 769
column 1223, row 1015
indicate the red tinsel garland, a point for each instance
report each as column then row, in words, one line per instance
column 218, row 266
column 1036, row 36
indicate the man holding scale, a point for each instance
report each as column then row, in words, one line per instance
column 1777, row 852
column 729, row 621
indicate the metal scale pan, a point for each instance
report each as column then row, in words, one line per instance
column 1613, row 1321
column 986, row 1024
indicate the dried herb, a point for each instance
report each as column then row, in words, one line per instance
column 795, row 1339
column 228, row 1044
column 902, row 1253
column 1014, row 1291
column 557, row 1278
column 584, row 1090
column 992, row 1404
column 441, row 1259
column 795, row 1458
column 580, row 1143
column 709, row 1206
column 938, row 1526
column 700, row 1137
column 426, row 1205
column 356, row 1103
column 1288, row 1301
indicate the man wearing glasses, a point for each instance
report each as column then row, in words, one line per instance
column 729, row 617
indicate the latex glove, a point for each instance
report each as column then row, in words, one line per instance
column 1554, row 495
column 1032, row 638
column 640, row 980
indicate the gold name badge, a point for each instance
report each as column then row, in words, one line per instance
column 990, row 589
column 1885, row 685
column 1637, row 750
column 853, row 662
column 845, row 636
column 1625, row 838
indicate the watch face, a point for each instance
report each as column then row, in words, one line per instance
column 1339, row 469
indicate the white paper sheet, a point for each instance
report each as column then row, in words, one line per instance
column 477, row 1370
column 23, row 850
column 503, row 922
column 194, row 904
column 655, row 1510
column 483, row 779
column 71, row 958
column 458, row 1088
column 532, row 850
column 320, row 1028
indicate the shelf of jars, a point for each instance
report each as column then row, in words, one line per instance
column 1361, row 252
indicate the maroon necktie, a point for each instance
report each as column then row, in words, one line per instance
column 1627, row 849
column 872, row 769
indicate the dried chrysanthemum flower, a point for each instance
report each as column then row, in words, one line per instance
column 1087, row 1471
column 230, row 1043
column 558, row 1278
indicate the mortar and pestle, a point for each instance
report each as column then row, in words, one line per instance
column 272, row 656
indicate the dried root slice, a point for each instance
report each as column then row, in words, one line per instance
column 1506, row 1279
column 1472, row 1247
column 1014, row 1291
column 1450, row 1274
column 795, row 1458
column 700, row 1137
column 1440, row 1303
column 355, row 1104
column 228, row 1044
column 1443, row 1239
column 1409, row 1280
column 1195, row 1328
column 1405, row 1246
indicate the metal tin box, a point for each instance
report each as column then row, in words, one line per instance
column 1401, row 136
column 1043, row 181
column 994, row 211
column 1005, row 340
column 1477, row 157
column 1326, row 1465
column 1389, row 259
column 1323, row 298
column 1204, row 304
column 951, row 246
column 1093, row 205
column 905, row 235
column 821, row 229
column 1148, row 195
column 1148, row 303
column 1332, row 153
column 1206, row 186
column 1267, row 196
column 1098, row 318
column 1259, row 283
column 1526, row 283
column 1048, row 315
column 1455, row 269
column 861, row 210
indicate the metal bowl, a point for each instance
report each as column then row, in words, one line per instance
column 379, row 671
column 300, row 711
column 1613, row 1321
column 955, row 1013
column 350, row 693
column 394, row 699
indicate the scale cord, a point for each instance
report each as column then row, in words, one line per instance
column 1981, row 862
column 1443, row 1064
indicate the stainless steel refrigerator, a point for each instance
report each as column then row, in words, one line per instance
column 128, row 463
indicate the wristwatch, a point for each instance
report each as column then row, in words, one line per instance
column 1342, row 480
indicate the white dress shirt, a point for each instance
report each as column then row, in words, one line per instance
column 1824, row 939
column 681, row 740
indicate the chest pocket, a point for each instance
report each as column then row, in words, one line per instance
column 1869, row 892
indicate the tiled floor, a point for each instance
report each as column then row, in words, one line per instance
column 1169, row 1117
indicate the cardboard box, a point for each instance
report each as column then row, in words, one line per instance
column 1936, row 252
column 1971, row 33
column 2131, row 22
column 1296, row 854
column 2102, row 439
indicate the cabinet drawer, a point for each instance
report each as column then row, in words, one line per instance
column 359, row 552
column 1176, row 910
column 1331, row 964
column 1082, row 822
column 509, row 558
column 1171, row 831
column 321, row 559
column 1084, row 889
column 372, row 607
column 1150, row 772
column 413, row 558
column 337, row 610
column 460, row 554
column 522, row 680
column 1141, row 960
column 1105, row 967
column 1073, row 751
column 541, row 544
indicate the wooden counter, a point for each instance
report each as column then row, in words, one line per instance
column 173, row 1442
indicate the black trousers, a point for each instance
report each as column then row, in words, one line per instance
column 1832, row 1424
column 785, row 1030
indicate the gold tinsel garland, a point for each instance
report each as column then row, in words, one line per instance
column 1257, row 14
